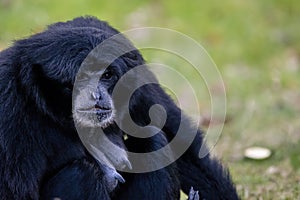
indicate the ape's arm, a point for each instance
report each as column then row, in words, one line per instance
column 80, row 180
column 160, row 184
column 206, row 175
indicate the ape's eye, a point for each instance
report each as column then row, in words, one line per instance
column 107, row 75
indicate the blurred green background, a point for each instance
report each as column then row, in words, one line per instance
column 256, row 46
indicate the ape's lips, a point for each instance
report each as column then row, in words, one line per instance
column 102, row 108
column 102, row 113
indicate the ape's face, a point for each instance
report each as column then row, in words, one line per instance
column 93, row 104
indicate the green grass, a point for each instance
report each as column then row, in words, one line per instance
column 255, row 44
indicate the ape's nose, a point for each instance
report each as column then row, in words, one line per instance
column 95, row 96
column 103, row 102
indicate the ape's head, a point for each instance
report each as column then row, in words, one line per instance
column 95, row 100
column 48, row 72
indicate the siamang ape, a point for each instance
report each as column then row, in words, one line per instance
column 42, row 156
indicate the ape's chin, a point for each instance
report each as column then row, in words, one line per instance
column 103, row 115
column 104, row 120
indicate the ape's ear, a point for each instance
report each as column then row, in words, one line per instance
column 44, row 84
column 52, row 97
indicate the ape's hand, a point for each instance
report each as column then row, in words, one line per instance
column 193, row 195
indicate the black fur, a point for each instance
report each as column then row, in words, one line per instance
column 40, row 152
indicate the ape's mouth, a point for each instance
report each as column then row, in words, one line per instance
column 95, row 115
column 95, row 110
column 102, row 113
column 102, row 108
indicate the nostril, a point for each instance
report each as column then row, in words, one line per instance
column 94, row 96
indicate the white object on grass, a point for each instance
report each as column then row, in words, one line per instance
column 257, row 153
